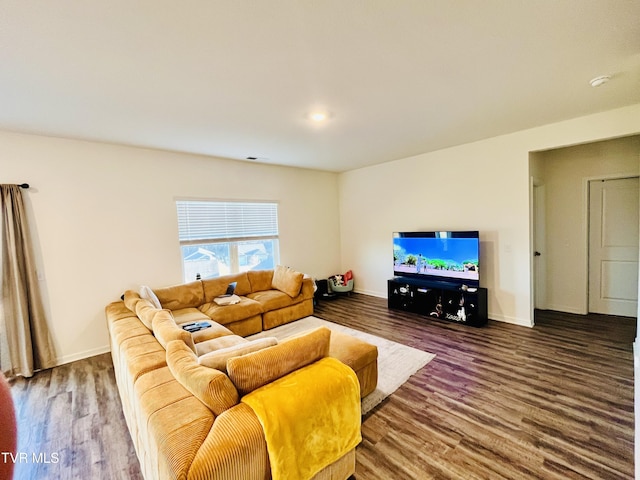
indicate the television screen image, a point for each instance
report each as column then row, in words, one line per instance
column 445, row 256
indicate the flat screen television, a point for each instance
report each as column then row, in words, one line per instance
column 451, row 257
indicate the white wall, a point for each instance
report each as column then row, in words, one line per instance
column 105, row 220
column 483, row 185
column 566, row 172
column 104, row 215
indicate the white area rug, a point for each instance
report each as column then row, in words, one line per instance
column 396, row 362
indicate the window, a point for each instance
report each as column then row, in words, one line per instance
column 219, row 238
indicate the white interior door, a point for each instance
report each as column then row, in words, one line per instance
column 613, row 246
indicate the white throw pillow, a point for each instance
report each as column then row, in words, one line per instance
column 146, row 293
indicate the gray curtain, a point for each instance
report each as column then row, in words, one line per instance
column 26, row 345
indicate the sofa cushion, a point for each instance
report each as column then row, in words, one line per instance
column 139, row 355
column 254, row 370
column 181, row 296
column 219, row 343
column 352, row 351
column 218, row 359
column 117, row 311
column 214, row 287
column 273, row 299
column 287, row 280
column 246, row 327
column 143, row 308
column 126, row 328
column 279, row 317
column 210, row 386
column 260, row 279
column 225, row 314
column 188, row 315
column 214, row 331
column 165, row 329
column 226, row 299
column 173, row 425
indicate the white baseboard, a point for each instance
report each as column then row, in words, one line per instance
column 82, row 355
column 512, row 320
column 566, row 309
column 371, row 293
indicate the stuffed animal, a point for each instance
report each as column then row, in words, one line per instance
column 342, row 280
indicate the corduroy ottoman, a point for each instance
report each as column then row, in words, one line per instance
column 361, row 356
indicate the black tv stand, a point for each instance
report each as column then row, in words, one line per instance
column 444, row 300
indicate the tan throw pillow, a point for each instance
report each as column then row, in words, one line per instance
column 260, row 280
column 254, row 370
column 218, row 358
column 287, row 280
column 165, row 330
column 210, row 386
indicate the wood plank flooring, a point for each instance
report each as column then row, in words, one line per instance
column 71, row 426
column 499, row 402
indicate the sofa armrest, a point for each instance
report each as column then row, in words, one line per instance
column 212, row 387
column 307, row 288
column 235, row 448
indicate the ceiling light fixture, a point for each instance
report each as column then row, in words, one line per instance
column 319, row 116
column 601, row 80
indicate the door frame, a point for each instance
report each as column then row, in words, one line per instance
column 585, row 225
column 539, row 263
column 533, row 183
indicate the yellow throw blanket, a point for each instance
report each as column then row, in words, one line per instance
column 310, row 418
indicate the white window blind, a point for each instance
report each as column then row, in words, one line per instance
column 218, row 221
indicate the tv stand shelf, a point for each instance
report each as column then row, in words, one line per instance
column 439, row 300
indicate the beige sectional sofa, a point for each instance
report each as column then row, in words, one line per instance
column 185, row 396
column 268, row 298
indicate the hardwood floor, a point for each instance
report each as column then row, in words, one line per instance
column 71, row 426
column 501, row 402
column 498, row 402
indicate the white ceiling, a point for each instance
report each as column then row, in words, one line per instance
column 238, row 78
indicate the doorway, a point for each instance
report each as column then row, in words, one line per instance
column 559, row 221
column 613, row 246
